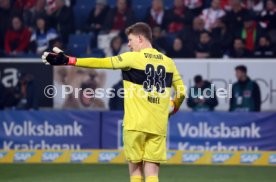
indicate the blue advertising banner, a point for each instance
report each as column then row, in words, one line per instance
column 216, row 131
column 49, row 130
column 112, row 130
column 219, row 131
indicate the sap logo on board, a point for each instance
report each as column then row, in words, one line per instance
column 191, row 157
column 22, row 156
column 3, row 154
column 170, row 155
column 272, row 159
column 79, row 156
column 249, row 158
column 107, row 156
column 221, row 157
column 50, row 156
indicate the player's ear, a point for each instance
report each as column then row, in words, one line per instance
column 140, row 38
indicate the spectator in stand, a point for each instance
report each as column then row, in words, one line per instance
column 235, row 16
column 178, row 17
column 95, row 21
column 222, row 38
column 24, row 4
column 268, row 16
column 191, row 35
column 116, row 47
column 62, row 19
column 264, row 49
column 17, row 38
column 256, row 5
column 179, row 51
column 239, row 50
column 51, row 5
column 250, row 32
column 25, row 92
column 210, row 15
column 24, row 9
column 97, row 15
column 204, row 46
column 224, row 4
column 42, row 36
column 159, row 40
column 70, row 3
column 197, row 101
column 155, row 15
column 5, row 13
column 246, row 95
column 37, row 11
column 195, row 6
column 120, row 17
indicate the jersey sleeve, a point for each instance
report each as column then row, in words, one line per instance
column 122, row 61
column 179, row 87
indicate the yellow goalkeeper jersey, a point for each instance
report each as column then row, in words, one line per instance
column 148, row 76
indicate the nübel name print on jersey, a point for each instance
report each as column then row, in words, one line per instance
column 154, row 100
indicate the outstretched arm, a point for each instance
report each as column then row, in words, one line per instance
column 57, row 57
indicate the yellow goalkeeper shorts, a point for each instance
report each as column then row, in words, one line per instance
column 140, row 146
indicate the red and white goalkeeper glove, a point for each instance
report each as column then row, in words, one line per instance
column 57, row 57
column 172, row 107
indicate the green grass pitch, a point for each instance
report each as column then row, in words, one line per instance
column 119, row 173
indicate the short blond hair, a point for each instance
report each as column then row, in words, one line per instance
column 140, row 28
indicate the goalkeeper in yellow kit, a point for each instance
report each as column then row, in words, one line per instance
column 148, row 76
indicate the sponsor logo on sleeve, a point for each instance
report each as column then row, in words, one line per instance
column 120, row 58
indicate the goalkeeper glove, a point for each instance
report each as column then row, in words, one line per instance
column 172, row 107
column 57, row 57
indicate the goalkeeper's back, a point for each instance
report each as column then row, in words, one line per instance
column 147, row 82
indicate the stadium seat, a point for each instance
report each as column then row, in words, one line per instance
column 81, row 12
column 95, row 53
column 168, row 4
column 141, row 3
column 140, row 12
column 112, row 3
column 87, row 3
column 98, row 53
column 81, row 39
column 76, row 49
